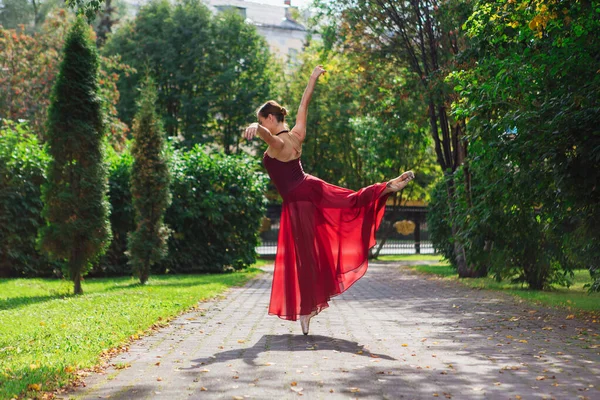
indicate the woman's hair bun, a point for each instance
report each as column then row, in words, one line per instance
column 283, row 111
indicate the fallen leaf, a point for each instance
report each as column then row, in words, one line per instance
column 159, row 379
column 540, row 378
column 203, row 389
column 241, row 341
column 354, row 390
column 34, row 386
column 157, row 364
column 404, row 345
column 570, row 316
column 294, row 383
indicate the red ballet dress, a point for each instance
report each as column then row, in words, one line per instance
column 325, row 234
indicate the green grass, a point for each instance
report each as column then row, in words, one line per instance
column 411, row 257
column 46, row 333
column 575, row 298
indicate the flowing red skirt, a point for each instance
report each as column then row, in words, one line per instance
column 325, row 234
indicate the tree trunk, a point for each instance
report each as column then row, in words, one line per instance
column 75, row 268
column 464, row 269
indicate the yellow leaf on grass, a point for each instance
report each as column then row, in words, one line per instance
column 34, row 366
column 69, row 369
column 35, row 386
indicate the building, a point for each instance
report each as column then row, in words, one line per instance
column 285, row 36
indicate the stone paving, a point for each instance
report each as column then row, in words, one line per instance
column 394, row 335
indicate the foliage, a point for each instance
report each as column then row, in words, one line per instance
column 115, row 261
column 241, row 79
column 150, row 180
column 211, row 72
column 439, row 223
column 58, row 334
column 75, row 202
column 532, row 103
column 22, row 172
column 218, row 204
column 29, row 65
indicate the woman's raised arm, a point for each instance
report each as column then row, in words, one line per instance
column 299, row 130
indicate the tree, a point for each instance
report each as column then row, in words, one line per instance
column 531, row 97
column 241, row 80
column 76, row 207
column 210, row 72
column 28, row 68
column 149, row 186
column 420, row 35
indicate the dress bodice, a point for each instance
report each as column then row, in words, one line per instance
column 286, row 175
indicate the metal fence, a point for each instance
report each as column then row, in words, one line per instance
column 398, row 241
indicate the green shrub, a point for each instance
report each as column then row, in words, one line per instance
column 114, row 262
column 438, row 222
column 22, row 172
column 215, row 215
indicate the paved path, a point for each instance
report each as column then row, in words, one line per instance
column 394, row 335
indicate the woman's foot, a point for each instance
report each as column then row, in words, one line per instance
column 396, row 185
column 305, row 321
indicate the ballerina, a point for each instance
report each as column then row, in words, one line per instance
column 325, row 231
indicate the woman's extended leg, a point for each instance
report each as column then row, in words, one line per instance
column 396, row 185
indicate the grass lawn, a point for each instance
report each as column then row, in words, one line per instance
column 46, row 333
column 575, row 298
column 412, row 257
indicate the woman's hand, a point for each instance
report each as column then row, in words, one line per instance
column 317, row 72
column 251, row 131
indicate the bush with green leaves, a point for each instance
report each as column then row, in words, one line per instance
column 438, row 222
column 215, row 215
column 22, row 172
column 114, row 261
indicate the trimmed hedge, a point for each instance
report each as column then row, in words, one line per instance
column 217, row 207
column 22, row 172
column 218, row 204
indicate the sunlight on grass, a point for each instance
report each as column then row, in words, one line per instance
column 412, row 257
column 574, row 298
column 46, row 333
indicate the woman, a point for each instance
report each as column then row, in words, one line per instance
column 325, row 231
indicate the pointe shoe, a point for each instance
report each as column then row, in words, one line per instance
column 395, row 185
column 305, row 322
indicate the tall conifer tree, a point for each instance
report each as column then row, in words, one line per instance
column 76, row 206
column 150, row 180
